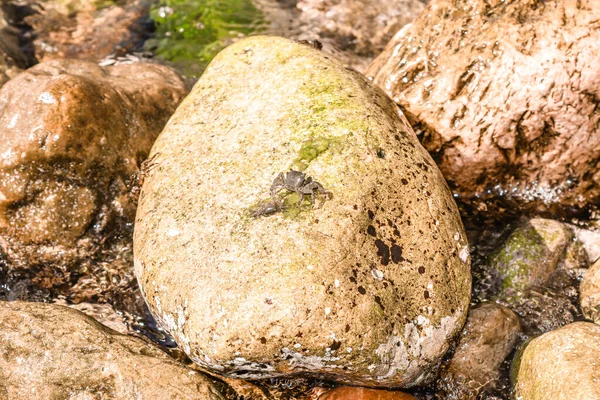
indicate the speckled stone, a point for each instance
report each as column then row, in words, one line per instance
column 366, row 289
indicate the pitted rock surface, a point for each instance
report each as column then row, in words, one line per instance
column 72, row 133
column 54, row 352
column 563, row 365
column 505, row 94
column 367, row 288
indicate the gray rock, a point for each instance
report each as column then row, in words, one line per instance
column 561, row 365
column 505, row 94
column 487, row 339
column 367, row 287
column 54, row 352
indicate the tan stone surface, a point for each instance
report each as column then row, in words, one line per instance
column 561, row 365
column 505, row 94
column 54, row 352
column 366, row 289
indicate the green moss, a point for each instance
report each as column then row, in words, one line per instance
column 311, row 149
column 516, row 259
column 191, row 32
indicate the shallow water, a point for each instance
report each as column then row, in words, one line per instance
column 189, row 33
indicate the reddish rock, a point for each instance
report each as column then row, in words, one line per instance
column 505, row 96
column 359, row 393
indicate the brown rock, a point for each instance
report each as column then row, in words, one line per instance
column 354, row 30
column 359, row 393
column 505, row 94
column 72, row 134
column 54, row 352
column 487, row 338
column 87, row 29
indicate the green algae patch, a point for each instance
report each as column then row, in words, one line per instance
column 191, row 32
column 311, row 149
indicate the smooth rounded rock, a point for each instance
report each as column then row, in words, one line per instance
column 561, row 365
column 55, row 352
column 487, row 339
column 367, row 287
column 505, row 94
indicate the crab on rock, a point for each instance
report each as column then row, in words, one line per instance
column 296, row 181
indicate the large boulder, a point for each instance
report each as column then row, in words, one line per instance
column 72, row 134
column 505, row 96
column 54, row 352
column 367, row 287
column 561, row 365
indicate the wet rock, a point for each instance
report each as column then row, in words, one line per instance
column 359, row 393
column 354, row 30
column 562, row 364
column 87, row 29
column 531, row 140
column 529, row 256
column 50, row 351
column 590, row 293
column 367, row 287
column 542, row 309
column 72, row 135
column 487, row 339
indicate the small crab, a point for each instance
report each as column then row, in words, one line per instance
column 296, row 181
